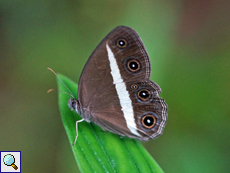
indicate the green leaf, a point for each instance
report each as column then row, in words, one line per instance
column 100, row 151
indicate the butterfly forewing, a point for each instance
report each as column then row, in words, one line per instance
column 115, row 91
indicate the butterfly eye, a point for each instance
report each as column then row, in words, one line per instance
column 133, row 65
column 144, row 94
column 148, row 121
column 122, row 43
column 134, row 86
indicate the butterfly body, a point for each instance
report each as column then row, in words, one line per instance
column 115, row 90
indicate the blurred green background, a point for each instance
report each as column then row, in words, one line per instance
column 187, row 41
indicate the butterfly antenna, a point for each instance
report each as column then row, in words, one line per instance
column 50, row 90
column 61, row 92
column 71, row 94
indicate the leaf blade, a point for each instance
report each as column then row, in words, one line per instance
column 99, row 151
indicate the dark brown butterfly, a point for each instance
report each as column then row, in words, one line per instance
column 115, row 90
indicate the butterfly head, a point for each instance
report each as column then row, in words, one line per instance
column 74, row 105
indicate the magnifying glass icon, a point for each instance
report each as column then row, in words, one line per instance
column 9, row 160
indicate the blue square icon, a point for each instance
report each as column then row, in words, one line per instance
column 10, row 161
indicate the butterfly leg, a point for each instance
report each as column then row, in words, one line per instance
column 77, row 131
